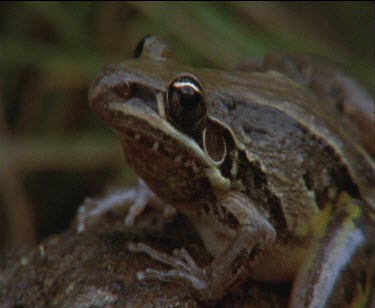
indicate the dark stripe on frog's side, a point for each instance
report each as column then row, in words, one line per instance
column 255, row 183
column 341, row 174
column 279, row 140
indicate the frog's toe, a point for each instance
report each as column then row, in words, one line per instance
column 156, row 255
column 194, row 279
column 136, row 209
column 184, row 271
column 184, row 255
column 92, row 210
column 145, row 197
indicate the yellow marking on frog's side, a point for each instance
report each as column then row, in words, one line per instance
column 320, row 221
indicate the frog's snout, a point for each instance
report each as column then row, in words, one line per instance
column 106, row 89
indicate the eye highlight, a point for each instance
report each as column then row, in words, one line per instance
column 186, row 104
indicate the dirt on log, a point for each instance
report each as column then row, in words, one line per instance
column 95, row 269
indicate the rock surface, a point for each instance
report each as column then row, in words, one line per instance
column 94, row 268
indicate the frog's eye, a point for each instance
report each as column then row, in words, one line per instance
column 186, row 107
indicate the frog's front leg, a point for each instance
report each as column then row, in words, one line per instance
column 133, row 200
column 340, row 269
column 253, row 235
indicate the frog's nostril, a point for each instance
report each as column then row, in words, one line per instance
column 106, row 88
column 122, row 90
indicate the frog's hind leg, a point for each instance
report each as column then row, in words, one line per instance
column 340, row 270
column 133, row 200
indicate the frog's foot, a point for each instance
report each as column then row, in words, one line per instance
column 134, row 200
column 144, row 197
column 184, row 271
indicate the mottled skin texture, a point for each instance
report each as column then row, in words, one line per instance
column 331, row 83
column 286, row 159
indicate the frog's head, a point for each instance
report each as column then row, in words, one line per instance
column 166, row 122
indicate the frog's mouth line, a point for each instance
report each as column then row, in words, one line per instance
column 135, row 117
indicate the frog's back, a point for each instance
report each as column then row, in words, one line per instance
column 307, row 158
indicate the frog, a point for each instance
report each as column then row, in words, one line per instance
column 277, row 190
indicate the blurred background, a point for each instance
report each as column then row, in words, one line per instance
column 54, row 151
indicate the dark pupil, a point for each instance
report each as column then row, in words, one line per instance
column 186, row 105
column 188, row 98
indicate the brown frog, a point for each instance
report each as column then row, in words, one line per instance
column 274, row 185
